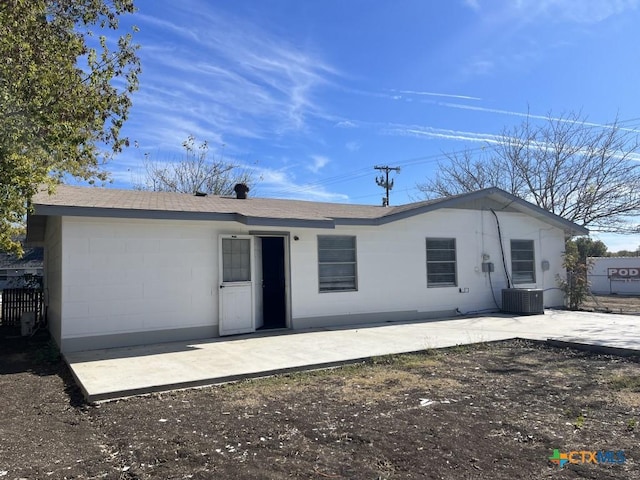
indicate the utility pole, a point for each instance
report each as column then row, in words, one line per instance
column 383, row 181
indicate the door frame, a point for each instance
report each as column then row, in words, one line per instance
column 256, row 276
column 287, row 284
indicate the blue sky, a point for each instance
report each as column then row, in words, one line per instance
column 312, row 94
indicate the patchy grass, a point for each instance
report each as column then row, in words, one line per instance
column 493, row 411
column 626, row 382
column 612, row 304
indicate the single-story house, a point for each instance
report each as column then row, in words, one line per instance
column 125, row 267
column 16, row 272
column 614, row 275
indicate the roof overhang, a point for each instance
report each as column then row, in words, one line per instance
column 36, row 226
column 43, row 211
column 488, row 199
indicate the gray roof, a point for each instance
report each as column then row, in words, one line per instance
column 102, row 202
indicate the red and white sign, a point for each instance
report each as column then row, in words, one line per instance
column 623, row 273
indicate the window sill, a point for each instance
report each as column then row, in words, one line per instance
column 338, row 291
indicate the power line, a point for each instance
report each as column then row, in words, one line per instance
column 364, row 171
column 370, row 195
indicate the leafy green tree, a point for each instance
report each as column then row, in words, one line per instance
column 66, row 78
column 626, row 253
column 588, row 247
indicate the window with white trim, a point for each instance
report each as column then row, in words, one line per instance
column 337, row 265
column 522, row 262
column 441, row 262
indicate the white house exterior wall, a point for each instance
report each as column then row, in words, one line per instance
column 392, row 276
column 138, row 281
column 128, row 281
column 602, row 284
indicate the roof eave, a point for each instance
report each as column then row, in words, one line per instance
column 57, row 210
column 494, row 193
column 570, row 228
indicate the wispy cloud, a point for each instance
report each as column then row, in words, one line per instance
column 435, row 94
column 281, row 183
column 319, row 162
column 479, row 66
column 420, row 131
column 227, row 74
column 583, row 11
column 473, row 4
column 440, row 133
column 520, row 35
column 353, row 146
column 271, row 182
column 533, row 116
column 399, row 94
column 576, row 11
column 346, row 124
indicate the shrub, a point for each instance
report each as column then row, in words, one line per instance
column 575, row 286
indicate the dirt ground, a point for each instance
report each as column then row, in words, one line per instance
column 493, row 411
column 613, row 304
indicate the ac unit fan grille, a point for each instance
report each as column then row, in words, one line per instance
column 526, row 301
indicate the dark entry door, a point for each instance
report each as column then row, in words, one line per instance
column 273, row 283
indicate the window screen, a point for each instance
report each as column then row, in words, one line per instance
column 441, row 262
column 236, row 260
column 337, row 268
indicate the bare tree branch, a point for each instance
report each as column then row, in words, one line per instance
column 198, row 171
column 587, row 174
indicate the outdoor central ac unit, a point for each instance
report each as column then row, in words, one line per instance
column 522, row 300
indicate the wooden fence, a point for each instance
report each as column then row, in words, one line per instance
column 16, row 301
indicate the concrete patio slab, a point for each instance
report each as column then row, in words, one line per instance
column 121, row 372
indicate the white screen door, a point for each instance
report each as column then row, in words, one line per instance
column 236, row 286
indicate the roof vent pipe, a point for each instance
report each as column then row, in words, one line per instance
column 241, row 190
